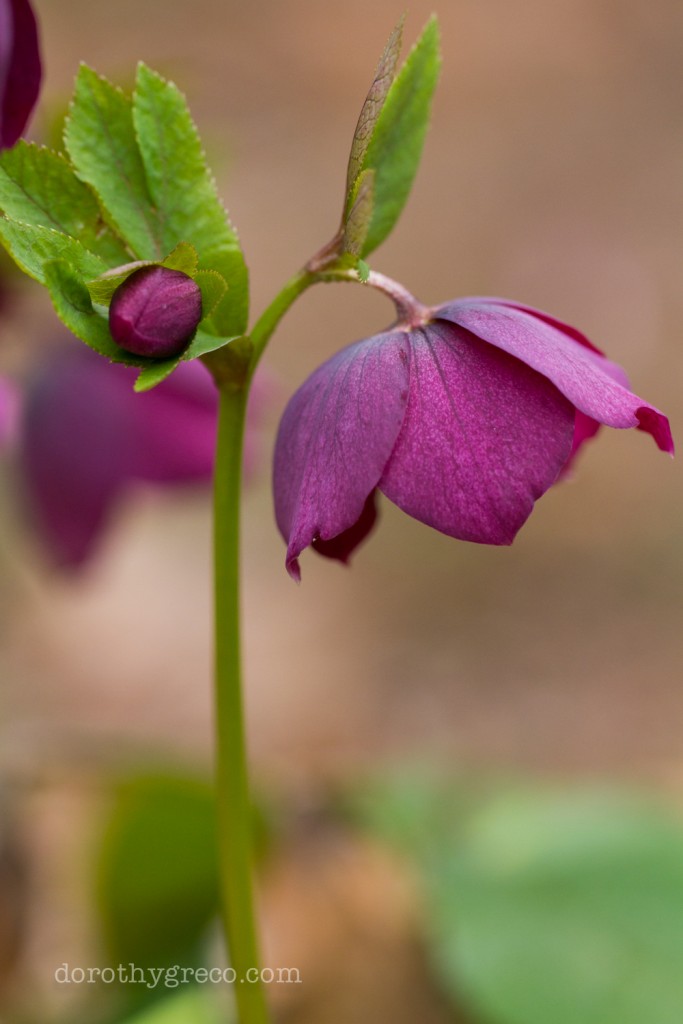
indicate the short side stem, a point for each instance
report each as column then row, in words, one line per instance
column 233, row 803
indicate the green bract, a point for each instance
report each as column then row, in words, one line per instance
column 133, row 189
column 388, row 140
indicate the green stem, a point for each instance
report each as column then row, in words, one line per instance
column 234, row 808
column 270, row 318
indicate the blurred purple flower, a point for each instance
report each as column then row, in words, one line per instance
column 86, row 437
column 20, row 68
column 462, row 421
column 9, row 411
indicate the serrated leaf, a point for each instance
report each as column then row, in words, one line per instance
column 73, row 305
column 212, row 287
column 30, row 246
column 184, row 193
column 202, row 343
column 184, row 258
column 103, row 287
column 395, row 146
column 360, row 214
column 154, row 373
column 39, row 187
column 100, row 140
column 384, row 76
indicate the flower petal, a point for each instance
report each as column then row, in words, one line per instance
column 86, row 436
column 483, row 437
column 334, row 440
column 20, row 69
column 592, row 384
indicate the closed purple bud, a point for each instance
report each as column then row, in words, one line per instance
column 155, row 312
column 20, row 69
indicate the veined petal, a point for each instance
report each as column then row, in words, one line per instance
column 483, row 437
column 334, row 440
column 592, row 384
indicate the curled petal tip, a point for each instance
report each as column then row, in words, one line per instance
column 657, row 425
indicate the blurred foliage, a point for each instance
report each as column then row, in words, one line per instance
column 194, row 1006
column 545, row 903
column 157, row 877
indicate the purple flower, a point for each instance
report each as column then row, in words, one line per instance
column 9, row 410
column 20, row 69
column 86, row 438
column 463, row 420
column 155, row 312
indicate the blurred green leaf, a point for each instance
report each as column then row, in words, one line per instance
column 184, row 193
column 550, row 904
column 158, row 884
column 395, row 144
column 39, row 188
column 100, row 140
column 191, row 1006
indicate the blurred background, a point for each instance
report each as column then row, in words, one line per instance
column 552, row 174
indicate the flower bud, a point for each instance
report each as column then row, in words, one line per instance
column 155, row 312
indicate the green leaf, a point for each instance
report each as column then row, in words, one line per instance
column 73, row 305
column 194, row 1006
column 360, row 214
column 39, row 188
column 30, row 246
column 395, row 145
column 184, row 258
column 201, row 345
column 103, row 287
column 184, row 193
column 551, row 904
column 158, row 877
column 212, row 287
column 363, row 271
column 374, row 101
column 100, row 140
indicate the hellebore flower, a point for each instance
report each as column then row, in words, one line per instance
column 155, row 312
column 86, row 438
column 462, row 417
column 20, row 69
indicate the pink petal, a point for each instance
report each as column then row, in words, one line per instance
column 592, row 384
column 86, row 437
column 334, row 439
column 483, row 437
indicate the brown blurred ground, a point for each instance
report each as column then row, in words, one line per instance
column 552, row 174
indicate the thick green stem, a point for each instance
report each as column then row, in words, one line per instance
column 234, row 808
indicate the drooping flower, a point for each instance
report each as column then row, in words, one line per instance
column 155, row 312
column 86, row 439
column 20, row 68
column 463, row 416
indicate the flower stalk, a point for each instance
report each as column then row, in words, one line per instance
column 234, row 806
